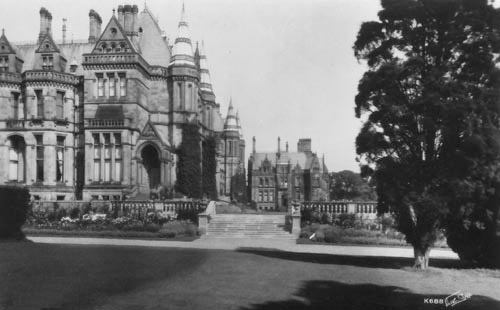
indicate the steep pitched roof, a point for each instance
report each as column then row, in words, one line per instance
column 5, row 46
column 47, row 45
column 114, row 34
column 73, row 52
column 154, row 48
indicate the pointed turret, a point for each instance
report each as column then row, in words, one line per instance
column 182, row 52
column 11, row 61
column 231, row 123
column 205, row 81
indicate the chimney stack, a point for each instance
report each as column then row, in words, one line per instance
column 120, row 15
column 45, row 23
column 64, row 31
column 95, row 23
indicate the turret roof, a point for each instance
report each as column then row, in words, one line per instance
column 182, row 52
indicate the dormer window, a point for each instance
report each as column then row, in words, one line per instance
column 47, row 62
column 4, row 63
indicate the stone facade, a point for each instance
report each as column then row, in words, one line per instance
column 102, row 118
column 275, row 179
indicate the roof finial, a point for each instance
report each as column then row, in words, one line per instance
column 113, row 11
column 3, row 31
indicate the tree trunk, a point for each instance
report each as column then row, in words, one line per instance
column 421, row 257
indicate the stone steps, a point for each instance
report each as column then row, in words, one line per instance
column 248, row 226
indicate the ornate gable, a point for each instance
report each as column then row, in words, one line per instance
column 113, row 40
column 47, row 45
column 5, row 47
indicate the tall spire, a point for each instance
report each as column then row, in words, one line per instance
column 182, row 52
column 205, row 81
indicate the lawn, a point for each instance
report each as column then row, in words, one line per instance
column 37, row 276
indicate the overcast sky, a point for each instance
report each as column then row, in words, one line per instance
column 287, row 64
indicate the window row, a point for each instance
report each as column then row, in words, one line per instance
column 17, row 159
column 108, row 157
column 266, row 196
column 265, row 182
column 15, row 99
column 113, row 47
column 111, row 84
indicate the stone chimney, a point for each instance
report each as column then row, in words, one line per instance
column 45, row 23
column 128, row 18
column 120, row 15
column 95, row 23
column 304, row 146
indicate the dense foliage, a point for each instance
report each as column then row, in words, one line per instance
column 189, row 175
column 209, row 168
column 239, row 187
column 348, row 185
column 430, row 105
column 14, row 207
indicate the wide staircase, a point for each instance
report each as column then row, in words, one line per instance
column 249, row 226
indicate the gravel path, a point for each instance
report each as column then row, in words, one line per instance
column 264, row 243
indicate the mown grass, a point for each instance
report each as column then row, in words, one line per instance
column 36, row 276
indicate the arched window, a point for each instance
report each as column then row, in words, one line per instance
column 17, row 148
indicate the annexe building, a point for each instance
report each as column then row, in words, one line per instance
column 277, row 178
column 102, row 118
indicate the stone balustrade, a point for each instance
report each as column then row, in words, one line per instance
column 14, row 123
column 131, row 208
column 119, row 58
column 43, row 75
column 101, row 123
column 9, row 77
column 338, row 207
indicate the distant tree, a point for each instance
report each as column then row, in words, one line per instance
column 189, row 177
column 349, row 185
column 430, row 106
column 238, row 187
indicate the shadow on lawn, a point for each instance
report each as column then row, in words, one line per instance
column 358, row 261
column 314, row 295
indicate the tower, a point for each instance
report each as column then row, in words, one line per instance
column 183, row 82
column 231, row 139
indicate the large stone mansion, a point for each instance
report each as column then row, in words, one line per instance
column 102, row 119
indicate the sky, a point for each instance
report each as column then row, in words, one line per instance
column 288, row 65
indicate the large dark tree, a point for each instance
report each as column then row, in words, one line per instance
column 430, row 106
column 209, row 168
column 189, row 176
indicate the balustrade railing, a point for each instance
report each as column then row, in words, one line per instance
column 95, row 123
column 40, row 75
column 14, row 123
column 130, row 208
column 10, row 77
column 338, row 207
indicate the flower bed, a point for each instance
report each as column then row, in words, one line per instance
column 152, row 224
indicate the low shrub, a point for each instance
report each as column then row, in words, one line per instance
column 74, row 213
column 138, row 226
column 332, row 235
column 190, row 214
column 221, row 209
column 13, row 211
column 179, row 228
